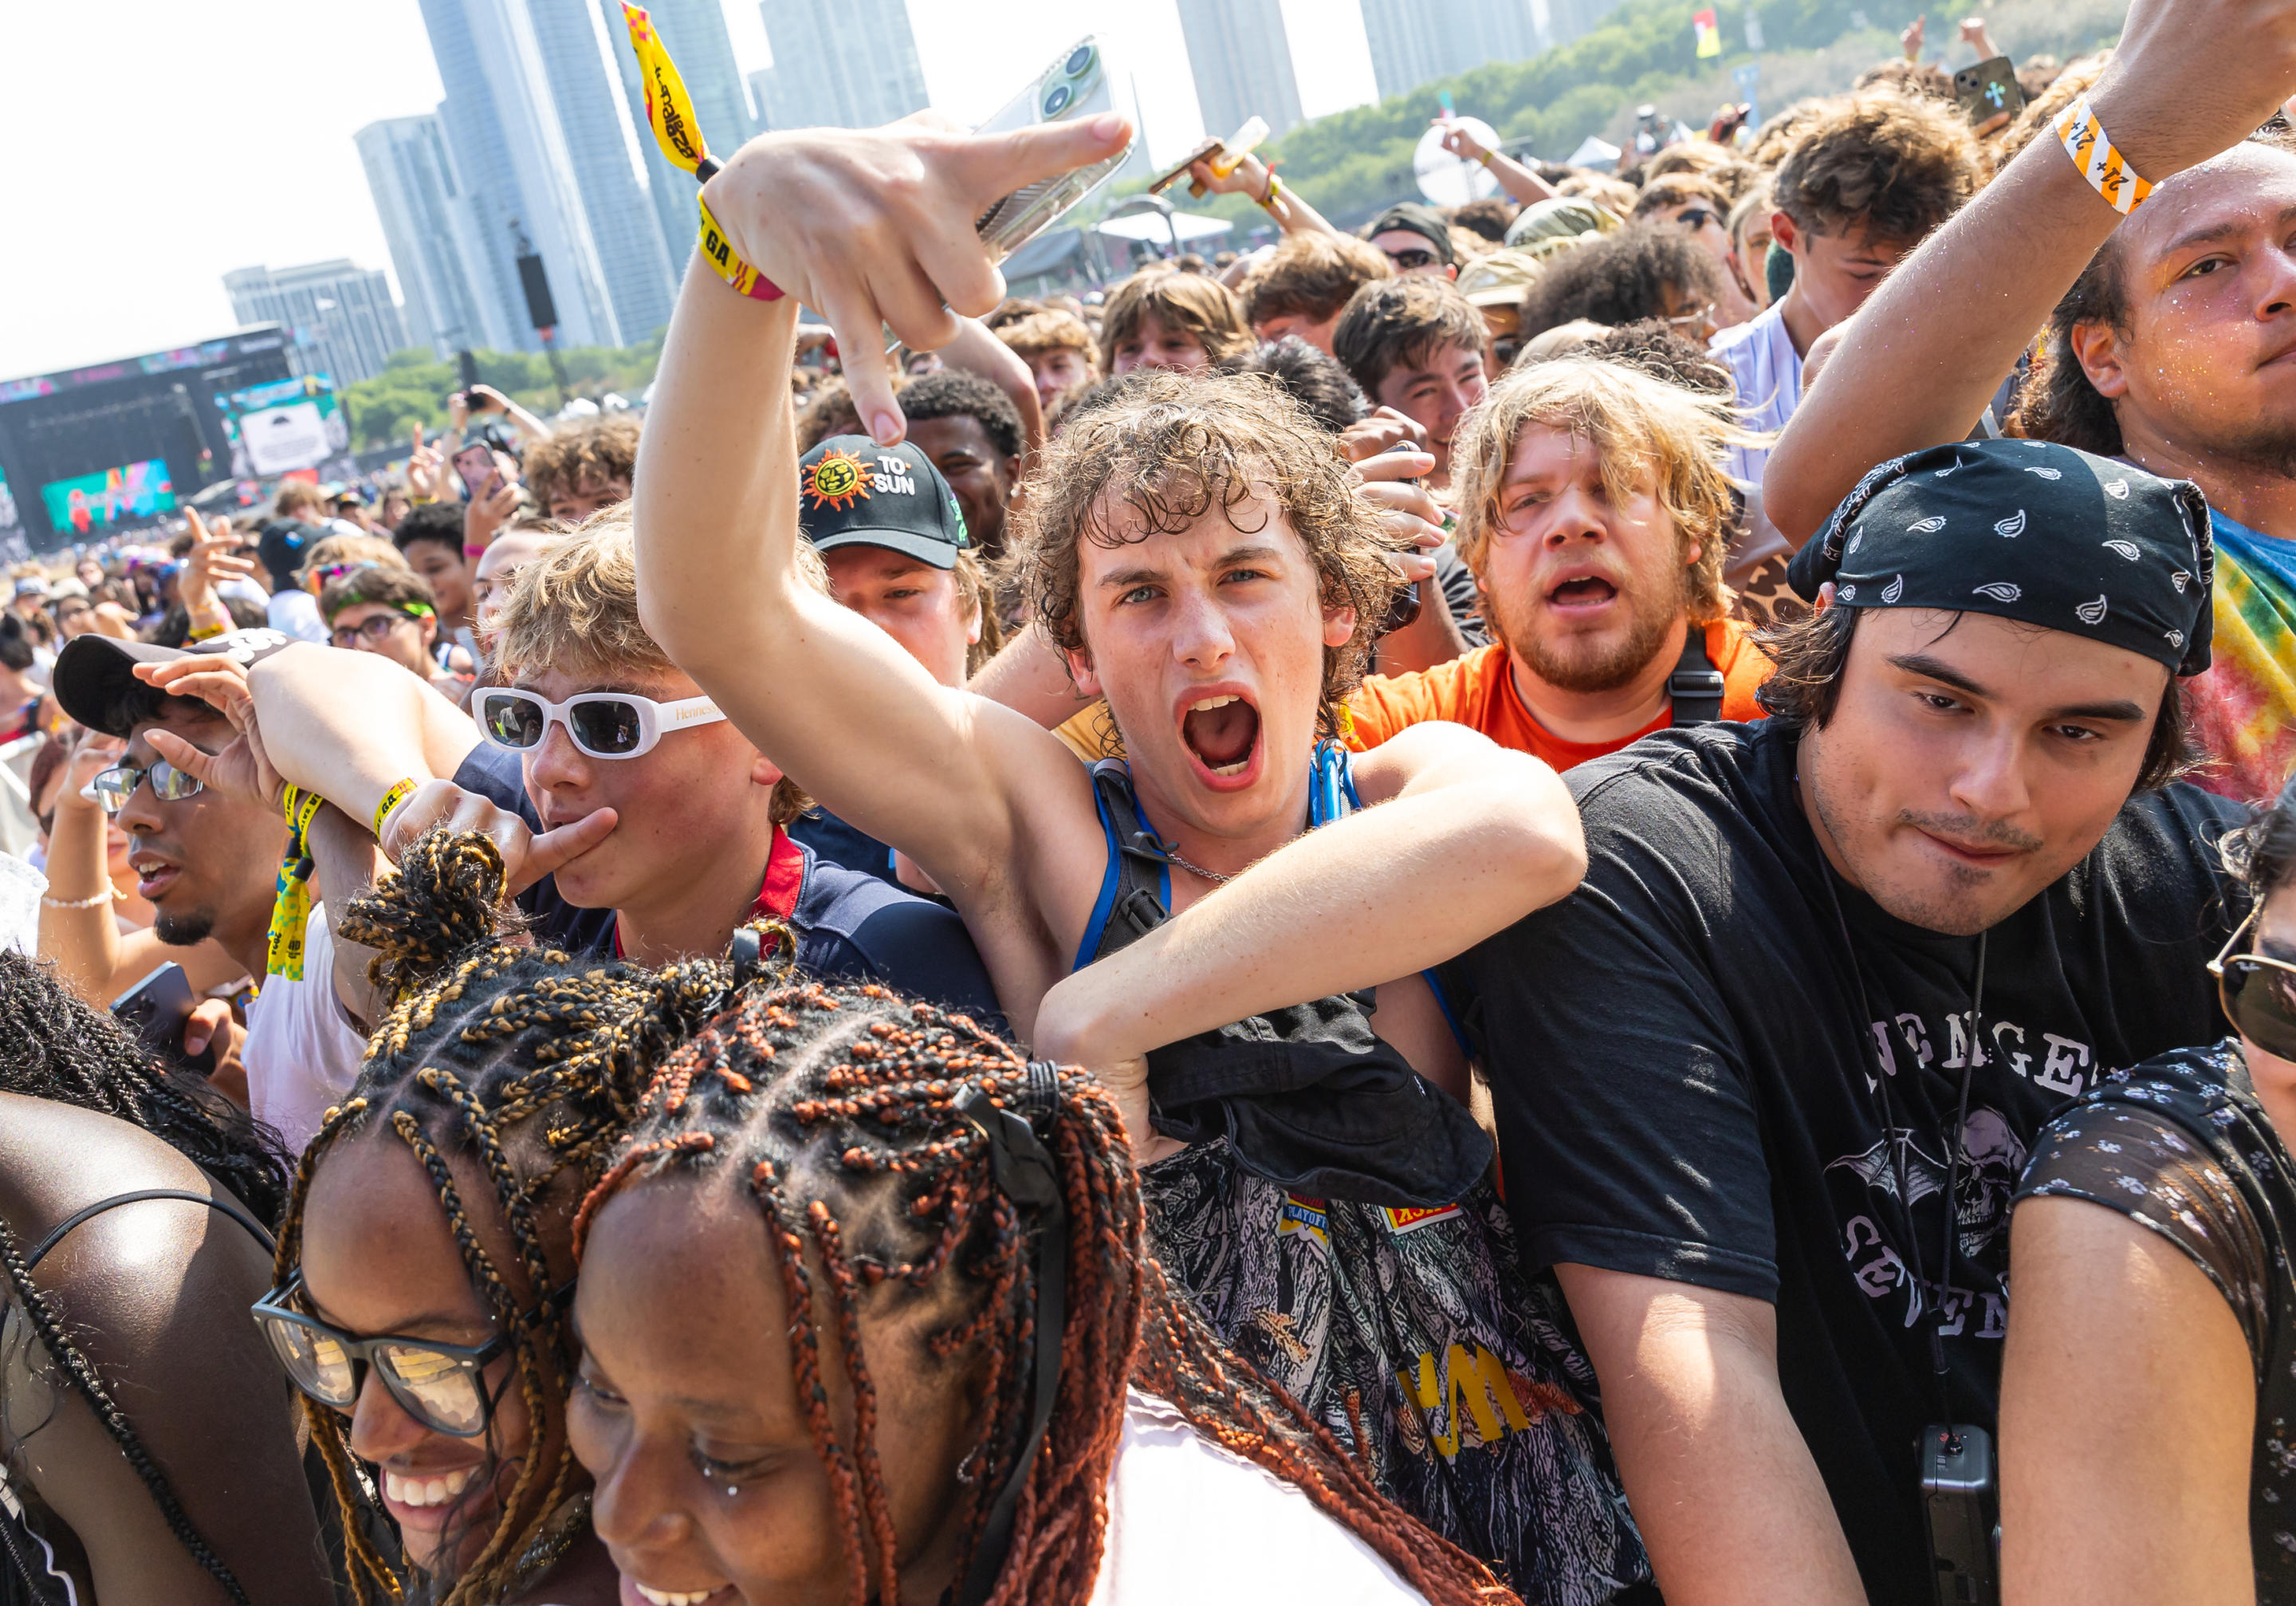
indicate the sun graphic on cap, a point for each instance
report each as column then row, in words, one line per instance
column 838, row 480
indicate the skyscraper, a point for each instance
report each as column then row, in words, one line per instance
column 421, row 205
column 1413, row 41
column 340, row 318
column 839, row 63
column 492, row 202
column 694, row 31
column 1241, row 62
column 544, row 148
column 594, row 120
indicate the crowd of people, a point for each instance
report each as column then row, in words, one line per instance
column 1317, row 927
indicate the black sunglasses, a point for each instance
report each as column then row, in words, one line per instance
column 441, row 1386
column 2258, row 994
column 1409, row 260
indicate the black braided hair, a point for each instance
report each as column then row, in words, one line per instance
column 54, row 1046
column 523, row 1060
column 836, row 1108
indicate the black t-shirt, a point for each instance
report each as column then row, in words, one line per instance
column 2181, row 1146
column 847, row 924
column 1685, row 1082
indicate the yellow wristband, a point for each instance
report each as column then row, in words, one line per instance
column 300, row 807
column 204, row 632
column 1484, row 159
column 719, row 252
column 2107, row 171
column 399, row 794
column 1275, row 193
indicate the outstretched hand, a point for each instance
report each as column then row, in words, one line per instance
column 1459, row 142
column 873, row 228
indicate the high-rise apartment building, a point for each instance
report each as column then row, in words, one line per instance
column 594, row 119
column 425, row 223
column 340, row 318
column 1413, row 41
column 545, row 150
column 694, row 32
column 1242, row 60
column 838, row 65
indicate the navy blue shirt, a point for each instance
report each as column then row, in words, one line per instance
column 849, row 924
column 835, row 841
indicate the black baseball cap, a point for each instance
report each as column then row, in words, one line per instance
column 94, row 676
column 280, row 547
column 1421, row 221
column 853, row 492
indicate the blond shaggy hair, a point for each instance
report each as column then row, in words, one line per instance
column 1171, row 448
column 575, row 609
column 1649, row 434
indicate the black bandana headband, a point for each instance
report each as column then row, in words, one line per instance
column 2027, row 531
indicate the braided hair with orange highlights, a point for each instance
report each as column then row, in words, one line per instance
column 869, row 1129
column 521, row 1059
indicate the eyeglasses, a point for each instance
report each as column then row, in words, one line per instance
column 114, row 787
column 603, row 724
column 1694, row 318
column 2258, row 994
column 441, row 1386
column 373, row 628
column 1696, row 218
column 1410, row 261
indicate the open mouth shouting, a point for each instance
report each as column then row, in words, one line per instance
column 1584, row 595
column 1219, row 726
column 155, row 873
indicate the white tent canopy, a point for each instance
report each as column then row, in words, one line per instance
column 1593, row 154
column 1150, row 227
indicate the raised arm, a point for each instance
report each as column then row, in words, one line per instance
column 1917, row 364
column 1256, row 180
column 1517, row 180
column 977, row 350
column 872, row 227
column 1463, row 838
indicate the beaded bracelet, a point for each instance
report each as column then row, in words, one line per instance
column 2093, row 152
column 109, row 895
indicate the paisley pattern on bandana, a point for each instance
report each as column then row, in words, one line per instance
column 2243, row 710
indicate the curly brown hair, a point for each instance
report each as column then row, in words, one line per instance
column 1167, row 450
column 1187, row 303
column 598, row 452
column 1888, row 164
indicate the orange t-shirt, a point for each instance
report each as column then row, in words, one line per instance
column 1479, row 690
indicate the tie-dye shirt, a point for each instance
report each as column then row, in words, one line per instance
column 2243, row 710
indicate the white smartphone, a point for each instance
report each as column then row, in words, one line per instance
column 1076, row 85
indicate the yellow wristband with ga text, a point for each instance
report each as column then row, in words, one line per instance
column 719, row 252
column 399, row 794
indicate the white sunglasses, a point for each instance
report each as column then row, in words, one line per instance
column 603, row 724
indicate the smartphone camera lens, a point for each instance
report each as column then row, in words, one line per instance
column 1079, row 61
column 1056, row 100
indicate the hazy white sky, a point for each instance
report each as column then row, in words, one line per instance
column 151, row 146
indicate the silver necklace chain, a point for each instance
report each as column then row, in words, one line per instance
column 1214, row 877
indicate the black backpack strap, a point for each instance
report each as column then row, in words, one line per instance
column 1696, row 685
column 1138, row 906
